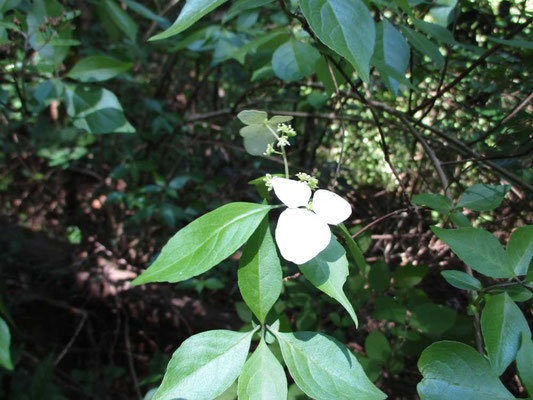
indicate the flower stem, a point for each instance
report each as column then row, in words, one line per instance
column 283, row 153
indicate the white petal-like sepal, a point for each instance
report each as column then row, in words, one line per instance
column 331, row 207
column 292, row 193
column 301, row 235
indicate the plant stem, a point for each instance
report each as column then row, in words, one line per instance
column 283, row 153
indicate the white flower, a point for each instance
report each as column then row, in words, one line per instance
column 302, row 234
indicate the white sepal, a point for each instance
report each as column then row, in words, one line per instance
column 301, row 235
column 331, row 207
column 292, row 193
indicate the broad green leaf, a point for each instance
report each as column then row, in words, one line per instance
column 436, row 31
column 409, row 275
column 377, row 347
column 41, row 40
column 324, row 74
column 520, row 249
column 279, row 119
column 443, row 11
column 392, row 50
column 424, row 46
column 353, row 249
column 249, row 117
column 433, row 319
column 502, row 324
column 96, row 110
column 6, row 5
column 345, row 26
column 454, row 371
column 324, row 368
column 379, row 276
column 461, row 280
column 388, row 308
column 97, row 69
column 205, row 365
column 524, row 362
column 435, row 201
column 257, row 137
column 191, row 12
column 477, row 248
column 262, row 377
column 482, row 197
column 260, row 276
column 121, row 19
column 459, row 219
column 294, row 60
column 5, row 342
column 328, row 272
column 205, row 242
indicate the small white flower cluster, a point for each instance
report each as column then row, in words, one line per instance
column 286, row 132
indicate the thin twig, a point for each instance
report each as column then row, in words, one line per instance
column 130, row 359
column 380, row 219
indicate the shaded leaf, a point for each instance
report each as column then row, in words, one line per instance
column 520, row 249
column 461, row 280
column 482, row 197
column 294, row 60
column 97, row 69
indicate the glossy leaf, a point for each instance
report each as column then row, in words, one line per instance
column 347, row 27
column 502, row 324
column 191, row 12
column 5, row 343
column 205, row 365
column 442, row 11
column 453, row 371
column 424, row 46
column 121, row 19
column 482, row 197
column 520, row 249
column 392, row 50
column 324, row 368
column 328, row 272
column 97, row 69
column 96, row 110
column 262, row 377
column 435, row 201
column 461, row 280
column 260, row 276
column 524, row 362
column 205, row 242
column 478, row 249
column 294, row 60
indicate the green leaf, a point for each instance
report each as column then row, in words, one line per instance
column 205, row 365
column 6, row 5
column 377, row 347
column 98, row 69
column 520, row 249
column 524, row 362
column 294, row 60
column 121, row 19
column 345, row 26
column 409, row 275
column 477, row 248
column 379, row 276
column 525, row 44
column 96, row 110
column 502, row 324
column 461, row 280
column 443, row 11
column 328, row 272
column 436, row 31
column 324, row 368
column 482, row 197
column 5, row 342
column 145, row 12
column 190, row 13
column 250, row 117
column 424, row 46
column 353, row 249
column 433, row 319
column 262, row 377
column 324, row 75
column 392, row 50
column 205, row 242
column 459, row 219
column 454, row 371
column 388, row 308
column 435, row 201
column 257, row 137
column 243, row 5
column 260, row 276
